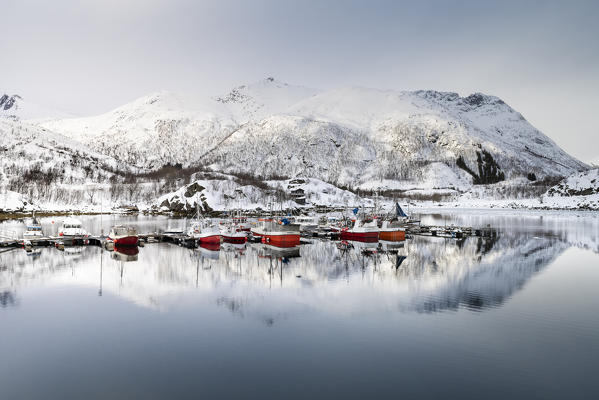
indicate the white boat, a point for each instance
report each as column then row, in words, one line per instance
column 307, row 223
column 71, row 231
column 33, row 230
column 331, row 223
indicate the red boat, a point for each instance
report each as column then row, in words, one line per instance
column 233, row 234
column 361, row 231
column 392, row 232
column 234, row 238
column 204, row 232
column 278, row 234
column 123, row 236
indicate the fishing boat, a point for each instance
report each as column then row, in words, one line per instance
column 281, row 234
column 361, row 231
column 330, row 223
column 307, row 223
column 71, row 231
column 241, row 222
column 123, row 235
column 232, row 234
column 392, row 231
column 33, row 230
column 203, row 230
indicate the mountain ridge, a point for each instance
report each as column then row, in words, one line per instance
column 350, row 136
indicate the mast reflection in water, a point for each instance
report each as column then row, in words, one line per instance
column 324, row 319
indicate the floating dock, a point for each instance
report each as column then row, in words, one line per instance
column 8, row 239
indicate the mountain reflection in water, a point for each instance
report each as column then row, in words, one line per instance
column 513, row 316
column 424, row 274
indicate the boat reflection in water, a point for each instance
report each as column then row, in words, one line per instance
column 424, row 274
column 125, row 253
column 273, row 251
column 324, row 319
column 238, row 248
column 209, row 250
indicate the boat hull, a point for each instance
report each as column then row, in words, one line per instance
column 392, row 236
column 234, row 239
column 125, row 240
column 282, row 240
column 210, row 239
column 359, row 236
column 71, row 240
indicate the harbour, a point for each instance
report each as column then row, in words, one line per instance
column 226, row 230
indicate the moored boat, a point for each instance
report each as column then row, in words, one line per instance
column 71, row 231
column 241, row 222
column 281, row 234
column 123, row 235
column 361, row 231
column 234, row 230
column 204, row 232
column 392, row 232
column 232, row 235
column 33, row 230
column 307, row 223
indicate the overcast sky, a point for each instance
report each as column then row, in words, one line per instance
column 91, row 56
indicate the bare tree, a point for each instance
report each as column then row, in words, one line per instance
column 91, row 193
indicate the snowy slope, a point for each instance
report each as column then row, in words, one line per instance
column 361, row 136
column 12, row 201
column 46, row 166
column 264, row 98
column 225, row 192
column 578, row 191
column 580, row 184
column 165, row 127
column 15, row 107
column 152, row 131
column 365, row 138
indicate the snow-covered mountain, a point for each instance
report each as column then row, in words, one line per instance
column 47, row 167
column 168, row 128
column 361, row 137
column 15, row 107
column 386, row 139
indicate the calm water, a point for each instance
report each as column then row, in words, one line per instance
column 517, row 316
